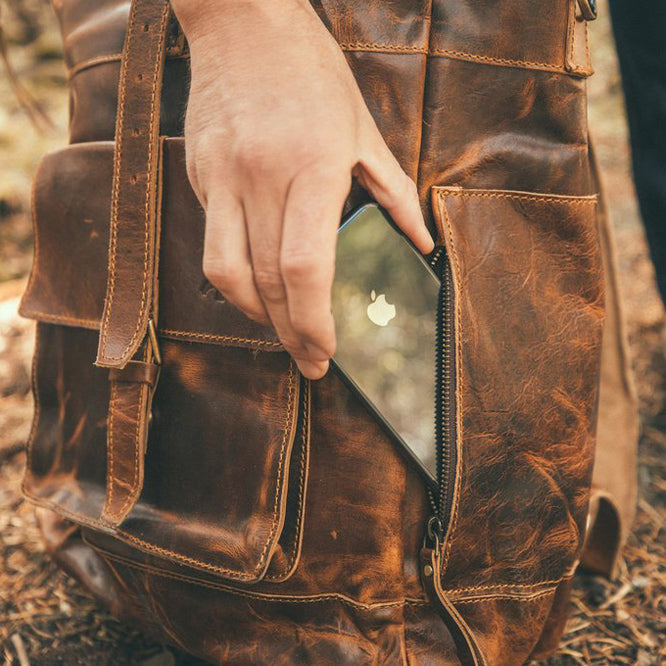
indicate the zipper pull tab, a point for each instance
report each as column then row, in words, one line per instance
column 467, row 648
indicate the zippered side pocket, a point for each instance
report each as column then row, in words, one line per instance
column 528, row 314
column 445, row 420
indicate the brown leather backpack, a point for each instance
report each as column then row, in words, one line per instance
column 225, row 504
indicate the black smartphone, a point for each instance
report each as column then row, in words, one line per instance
column 385, row 308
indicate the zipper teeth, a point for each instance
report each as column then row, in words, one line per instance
column 444, row 391
column 446, row 385
column 434, row 261
column 436, row 257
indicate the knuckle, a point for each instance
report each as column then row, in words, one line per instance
column 225, row 275
column 405, row 191
column 310, row 329
column 411, row 190
column 269, row 283
column 305, row 326
column 292, row 345
column 297, row 266
column 255, row 156
column 312, row 151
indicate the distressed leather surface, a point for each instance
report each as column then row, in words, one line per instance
column 277, row 523
column 133, row 229
column 228, row 520
column 527, row 426
column 70, row 224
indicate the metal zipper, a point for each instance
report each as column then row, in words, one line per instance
column 445, row 401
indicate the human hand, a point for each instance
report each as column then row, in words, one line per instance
column 275, row 128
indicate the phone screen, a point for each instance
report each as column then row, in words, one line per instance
column 385, row 305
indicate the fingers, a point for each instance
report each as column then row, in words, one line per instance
column 226, row 260
column 307, row 256
column 264, row 214
column 381, row 174
column 271, row 250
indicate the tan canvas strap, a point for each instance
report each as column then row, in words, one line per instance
column 128, row 343
column 129, row 291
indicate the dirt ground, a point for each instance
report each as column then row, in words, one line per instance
column 46, row 618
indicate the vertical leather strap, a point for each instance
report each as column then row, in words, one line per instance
column 131, row 296
column 132, row 234
column 126, row 436
column 468, row 650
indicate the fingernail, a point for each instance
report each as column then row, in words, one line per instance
column 313, row 370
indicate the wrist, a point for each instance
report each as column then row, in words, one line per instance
column 202, row 18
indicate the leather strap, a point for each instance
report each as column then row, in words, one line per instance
column 138, row 372
column 126, row 436
column 588, row 9
column 131, row 296
column 132, row 234
column 128, row 421
column 468, row 650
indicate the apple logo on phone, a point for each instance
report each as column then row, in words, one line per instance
column 380, row 312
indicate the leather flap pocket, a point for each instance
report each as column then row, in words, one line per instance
column 220, row 486
column 71, row 213
column 529, row 298
column 226, row 460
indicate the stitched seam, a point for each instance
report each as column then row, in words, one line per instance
column 232, row 573
column 377, row 46
column 94, row 324
column 571, row 34
column 87, row 323
column 508, row 597
column 260, row 596
column 294, row 548
column 461, row 590
column 135, row 471
column 111, row 447
column 279, row 480
column 36, row 412
column 460, row 55
column 588, row 65
column 86, row 520
column 459, row 381
column 35, row 229
column 573, row 65
column 112, row 57
column 93, row 62
column 146, row 258
column 495, row 194
column 117, row 158
column 221, row 338
column 104, row 527
column 149, row 189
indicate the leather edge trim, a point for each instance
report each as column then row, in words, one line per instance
column 295, row 556
column 259, row 596
column 146, row 546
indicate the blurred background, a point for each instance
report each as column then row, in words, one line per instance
column 45, row 618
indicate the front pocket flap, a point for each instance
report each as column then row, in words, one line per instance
column 529, row 297
column 71, row 213
column 224, row 482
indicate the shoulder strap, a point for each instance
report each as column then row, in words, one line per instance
column 127, row 340
column 132, row 237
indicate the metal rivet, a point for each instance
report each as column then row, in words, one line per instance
column 427, row 570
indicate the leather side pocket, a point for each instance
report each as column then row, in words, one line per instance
column 530, row 301
column 227, row 453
